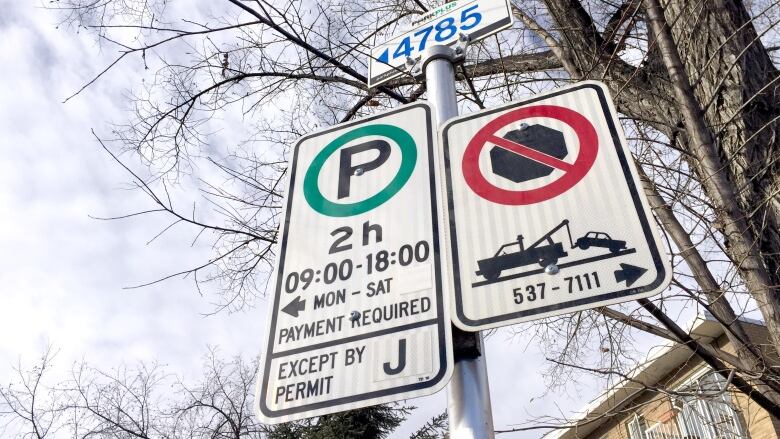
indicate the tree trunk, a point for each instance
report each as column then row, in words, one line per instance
column 735, row 84
column 733, row 94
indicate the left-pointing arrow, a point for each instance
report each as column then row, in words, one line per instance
column 385, row 56
column 295, row 306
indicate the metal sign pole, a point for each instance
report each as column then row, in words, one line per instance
column 468, row 393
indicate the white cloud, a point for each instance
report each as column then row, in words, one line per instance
column 63, row 272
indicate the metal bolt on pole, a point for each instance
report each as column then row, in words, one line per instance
column 468, row 393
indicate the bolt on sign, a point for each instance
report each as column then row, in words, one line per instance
column 546, row 211
column 358, row 315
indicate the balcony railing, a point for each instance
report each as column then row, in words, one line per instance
column 702, row 410
column 699, row 419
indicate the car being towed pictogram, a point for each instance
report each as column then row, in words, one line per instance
column 543, row 251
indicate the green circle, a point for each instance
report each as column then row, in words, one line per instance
column 319, row 203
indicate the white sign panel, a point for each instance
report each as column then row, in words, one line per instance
column 546, row 211
column 441, row 26
column 358, row 316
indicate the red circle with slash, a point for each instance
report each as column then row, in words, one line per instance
column 573, row 172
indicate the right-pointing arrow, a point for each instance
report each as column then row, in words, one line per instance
column 293, row 307
column 629, row 273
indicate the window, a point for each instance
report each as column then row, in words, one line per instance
column 708, row 413
column 704, row 411
column 636, row 428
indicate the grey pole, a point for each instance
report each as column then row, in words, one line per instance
column 468, row 396
column 440, row 81
column 468, row 393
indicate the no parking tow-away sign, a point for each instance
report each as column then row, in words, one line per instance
column 358, row 315
column 546, row 212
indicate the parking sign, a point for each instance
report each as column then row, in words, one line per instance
column 359, row 316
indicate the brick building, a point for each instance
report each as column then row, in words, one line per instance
column 700, row 405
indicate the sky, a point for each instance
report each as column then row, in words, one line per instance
column 63, row 273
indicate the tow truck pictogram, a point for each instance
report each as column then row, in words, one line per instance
column 543, row 253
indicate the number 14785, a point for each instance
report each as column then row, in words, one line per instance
column 439, row 32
